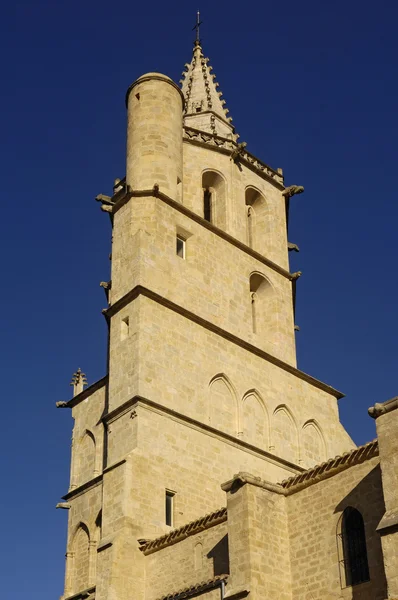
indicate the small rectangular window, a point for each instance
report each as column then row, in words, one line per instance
column 169, row 508
column 124, row 328
column 180, row 246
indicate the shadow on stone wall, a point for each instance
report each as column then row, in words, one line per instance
column 367, row 497
column 220, row 556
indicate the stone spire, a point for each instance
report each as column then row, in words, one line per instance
column 204, row 108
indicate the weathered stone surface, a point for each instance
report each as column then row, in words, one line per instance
column 203, row 384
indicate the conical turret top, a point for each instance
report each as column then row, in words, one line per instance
column 204, row 108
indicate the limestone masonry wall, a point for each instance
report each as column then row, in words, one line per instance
column 197, row 558
column 213, row 281
column 271, row 223
column 314, row 516
column 200, row 374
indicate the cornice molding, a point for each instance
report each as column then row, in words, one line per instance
column 154, row 193
column 382, row 408
column 228, row 146
column 242, row 478
column 83, row 488
column 86, row 393
column 143, row 291
column 88, row 594
column 137, row 401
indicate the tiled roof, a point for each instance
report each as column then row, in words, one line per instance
column 332, row 466
column 214, row 518
column 196, row 588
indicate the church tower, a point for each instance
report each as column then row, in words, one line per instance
column 202, row 379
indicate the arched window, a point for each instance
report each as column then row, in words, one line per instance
column 263, row 308
column 214, row 199
column 87, row 457
column 258, row 226
column 81, row 559
column 353, row 545
column 223, row 405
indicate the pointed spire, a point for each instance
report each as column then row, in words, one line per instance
column 204, row 107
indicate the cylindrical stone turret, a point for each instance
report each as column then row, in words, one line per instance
column 154, row 135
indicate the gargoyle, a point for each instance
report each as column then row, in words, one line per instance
column 296, row 275
column 292, row 190
column 61, row 404
column 107, row 285
column 238, row 151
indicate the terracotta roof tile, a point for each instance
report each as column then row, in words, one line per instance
column 332, row 466
column 185, row 531
column 196, row 588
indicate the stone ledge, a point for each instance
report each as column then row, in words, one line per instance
column 83, row 488
column 88, row 593
column 206, row 224
column 87, row 392
column 242, row 478
column 140, row 290
column 389, row 521
column 382, row 408
column 198, row 425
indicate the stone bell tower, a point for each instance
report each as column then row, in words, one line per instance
column 202, row 379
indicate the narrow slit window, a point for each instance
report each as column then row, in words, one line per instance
column 250, row 227
column 180, row 246
column 207, row 205
column 169, row 508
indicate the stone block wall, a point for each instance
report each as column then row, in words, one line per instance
column 314, row 520
column 198, row 558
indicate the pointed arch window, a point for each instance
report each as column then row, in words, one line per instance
column 214, row 199
column 257, row 220
column 353, row 546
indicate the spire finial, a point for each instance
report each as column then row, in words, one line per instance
column 78, row 382
column 197, row 26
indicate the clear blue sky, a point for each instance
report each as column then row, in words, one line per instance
column 311, row 87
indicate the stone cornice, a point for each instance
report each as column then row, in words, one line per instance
column 88, row 594
column 142, row 291
column 179, row 534
column 207, row 112
column 86, row 393
column 388, row 523
column 383, row 408
column 83, row 488
column 228, row 146
column 124, row 199
column 242, row 478
column 198, row 425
